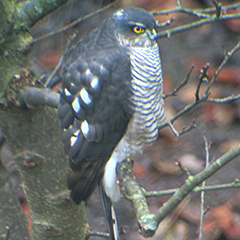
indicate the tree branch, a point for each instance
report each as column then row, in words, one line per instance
column 192, row 182
column 235, row 184
column 207, row 147
column 133, row 192
column 204, row 97
column 169, row 32
column 173, row 93
column 148, row 223
column 37, row 96
column 74, row 23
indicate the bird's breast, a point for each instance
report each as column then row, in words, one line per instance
column 147, row 88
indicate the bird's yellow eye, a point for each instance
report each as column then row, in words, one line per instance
column 138, row 29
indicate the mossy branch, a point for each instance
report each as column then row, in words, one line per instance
column 148, row 223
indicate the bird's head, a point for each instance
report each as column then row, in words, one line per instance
column 133, row 27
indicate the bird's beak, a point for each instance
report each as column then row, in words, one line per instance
column 153, row 34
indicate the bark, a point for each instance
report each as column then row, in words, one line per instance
column 13, row 222
column 33, row 135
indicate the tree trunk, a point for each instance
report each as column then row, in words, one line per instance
column 33, row 135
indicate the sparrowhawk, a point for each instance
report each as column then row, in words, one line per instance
column 111, row 101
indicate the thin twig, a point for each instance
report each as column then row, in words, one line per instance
column 224, row 8
column 218, row 8
column 192, row 182
column 179, row 9
column 235, row 184
column 202, row 13
column 168, row 22
column 57, row 68
column 204, row 98
column 73, row 24
column 148, row 223
column 169, row 32
column 173, row 129
column 225, row 60
column 202, row 78
column 173, row 93
column 182, row 168
column 203, row 193
column 98, row 234
column 224, row 100
column 7, row 235
column 189, row 128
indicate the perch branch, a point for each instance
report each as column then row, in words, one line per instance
column 98, row 234
column 148, row 223
column 133, row 192
column 32, row 96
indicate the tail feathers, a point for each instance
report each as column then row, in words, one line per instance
column 109, row 214
column 84, row 179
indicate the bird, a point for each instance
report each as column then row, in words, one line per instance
column 110, row 103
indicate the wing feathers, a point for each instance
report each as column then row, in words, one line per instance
column 94, row 110
column 83, row 181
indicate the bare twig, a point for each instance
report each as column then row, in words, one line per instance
column 189, row 128
column 202, row 78
column 207, row 146
column 201, row 13
column 98, row 234
column 148, row 223
column 182, row 168
column 218, row 8
column 204, row 98
column 224, row 8
column 173, row 93
column 168, row 22
column 73, row 24
column 57, row 68
column 235, row 184
column 7, row 235
column 224, row 100
column 225, row 60
column 192, row 182
column 179, row 9
column 169, row 32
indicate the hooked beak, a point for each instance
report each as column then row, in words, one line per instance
column 152, row 34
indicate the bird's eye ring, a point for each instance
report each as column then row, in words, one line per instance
column 138, row 29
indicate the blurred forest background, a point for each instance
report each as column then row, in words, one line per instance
column 219, row 123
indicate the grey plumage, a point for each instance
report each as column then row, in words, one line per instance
column 111, row 101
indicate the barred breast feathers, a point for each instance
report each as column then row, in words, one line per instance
column 147, row 87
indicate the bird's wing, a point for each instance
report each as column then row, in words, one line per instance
column 94, row 110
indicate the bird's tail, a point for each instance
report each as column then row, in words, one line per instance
column 109, row 214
